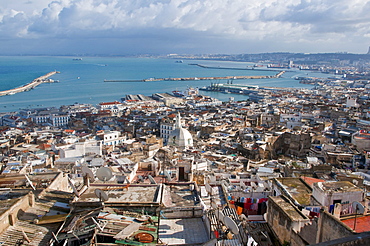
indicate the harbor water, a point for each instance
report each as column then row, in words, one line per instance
column 82, row 80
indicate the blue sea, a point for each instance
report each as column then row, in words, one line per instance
column 82, row 81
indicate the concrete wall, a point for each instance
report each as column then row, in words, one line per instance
column 60, row 183
column 282, row 224
column 178, row 213
column 354, row 240
column 331, row 228
column 10, row 216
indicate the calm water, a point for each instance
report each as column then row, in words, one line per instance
column 83, row 81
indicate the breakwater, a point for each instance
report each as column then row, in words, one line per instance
column 237, row 68
column 31, row 85
column 278, row 75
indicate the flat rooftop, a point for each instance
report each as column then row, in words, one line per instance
column 119, row 194
column 180, row 195
column 288, row 208
column 182, row 231
column 298, row 190
column 339, row 186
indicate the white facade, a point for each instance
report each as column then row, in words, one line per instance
column 82, row 149
column 329, row 193
column 111, row 137
column 179, row 136
column 59, row 120
column 351, row 102
column 165, row 130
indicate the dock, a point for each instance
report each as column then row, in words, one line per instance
column 38, row 81
column 278, row 75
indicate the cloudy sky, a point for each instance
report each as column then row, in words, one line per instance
column 183, row 26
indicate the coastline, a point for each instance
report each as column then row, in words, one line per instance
column 38, row 81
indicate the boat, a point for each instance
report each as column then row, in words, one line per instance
column 177, row 93
column 179, row 61
column 77, row 59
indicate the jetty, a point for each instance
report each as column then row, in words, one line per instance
column 38, row 81
column 251, row 68
column 278, row 75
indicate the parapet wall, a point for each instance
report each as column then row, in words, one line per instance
column 10, row 216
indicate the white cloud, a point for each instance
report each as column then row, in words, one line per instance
column 283, row 22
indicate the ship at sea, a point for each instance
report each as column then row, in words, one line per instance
column 190, row 91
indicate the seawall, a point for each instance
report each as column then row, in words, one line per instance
column 29, row 86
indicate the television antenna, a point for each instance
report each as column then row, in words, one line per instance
column 152, row 181
column 101, row 195
column 104, row 174
column 359, row 209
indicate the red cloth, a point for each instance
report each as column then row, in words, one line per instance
column 247, row 206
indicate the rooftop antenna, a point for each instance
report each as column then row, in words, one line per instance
column 152, row 181
column 29, row 181
column 104, row 174
column 101, row 195
column 359, row 209
column 73, row 187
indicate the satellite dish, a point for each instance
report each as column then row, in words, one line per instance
column 152, row 181
column 87, row 172
column 242, row 185
column 230, row 223
column 212, row 242
column 104, row 174
column 168, row 177
column 101, row 195
column 358, row 207
column 209, row 189
column 220, row 215
column 141, row 179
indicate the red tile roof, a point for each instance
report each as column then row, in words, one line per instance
column 362, row 223
column 310, row 181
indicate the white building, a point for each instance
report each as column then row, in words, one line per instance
column 180, row 137
column 111, row 137
column 332, row 192
column 165, row 130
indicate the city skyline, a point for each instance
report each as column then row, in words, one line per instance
column 183, row 27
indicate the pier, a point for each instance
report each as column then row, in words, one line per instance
column 278, row 75
column 29, row 86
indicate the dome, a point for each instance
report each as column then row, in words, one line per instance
column 180, row 136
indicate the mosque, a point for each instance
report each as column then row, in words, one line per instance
column 180, row 137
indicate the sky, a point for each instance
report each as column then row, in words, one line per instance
column 124, row 27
